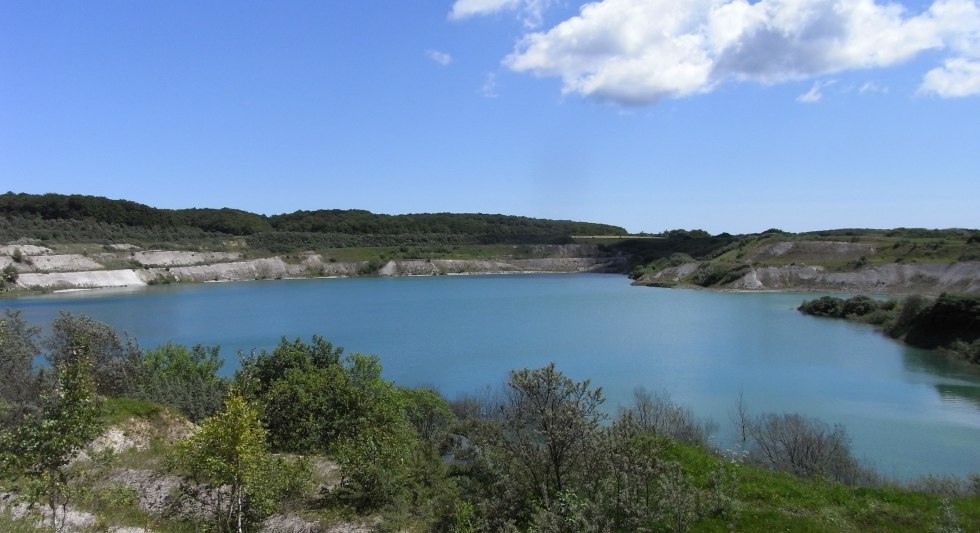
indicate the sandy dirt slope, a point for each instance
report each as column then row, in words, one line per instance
column 26, row 249
column 64, row 263
column 80, row 280
column 891, row 278
column 161, row 258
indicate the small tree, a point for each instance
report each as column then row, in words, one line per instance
column 549, row 426
column 18, row 379
column 804, row 446
column 186, row 379
column 115, row 362
column 230, row 449
column 9, row 274
column 41, row 448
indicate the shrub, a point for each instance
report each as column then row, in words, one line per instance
column 116, row 362
column 9, row 274
column 824, row 306
column 185, row 379
column 907, row 314
column 661, row 416
column 858, row 306
column 803, row 446
column 948, row 319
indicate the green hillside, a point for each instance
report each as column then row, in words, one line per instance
column 77, row 218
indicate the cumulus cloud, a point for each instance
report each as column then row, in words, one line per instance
column 442, row 58
column 640, row 51
column 957, row 77
column 530, row 12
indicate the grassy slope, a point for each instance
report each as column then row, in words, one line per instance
column 884, row 249
column 775, row 501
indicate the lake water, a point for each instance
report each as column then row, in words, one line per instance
column 908, row 411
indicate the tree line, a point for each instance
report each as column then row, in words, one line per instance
column 431, row 228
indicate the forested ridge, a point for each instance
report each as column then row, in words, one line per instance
column 356, row 227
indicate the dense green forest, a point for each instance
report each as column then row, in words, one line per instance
column 78, row 218
column 538, row 453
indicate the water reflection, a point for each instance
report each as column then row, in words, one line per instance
column 957, row 382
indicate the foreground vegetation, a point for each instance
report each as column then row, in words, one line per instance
column 950, row 323
column 539, row 454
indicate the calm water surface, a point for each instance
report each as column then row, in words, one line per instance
column 908, row 411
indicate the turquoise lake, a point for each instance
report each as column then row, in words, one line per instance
column 908, row 411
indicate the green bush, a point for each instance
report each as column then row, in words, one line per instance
column 183, row 378
column 859, row 306
column 824, row 306
column 712, row 274
column 950, row 318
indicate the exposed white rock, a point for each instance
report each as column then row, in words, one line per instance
column 80, row 280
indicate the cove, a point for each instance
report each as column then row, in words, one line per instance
column 908, row 411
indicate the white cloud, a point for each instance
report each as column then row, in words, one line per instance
column 442, row 58
column 530, row 12
column 956, row 78
column 815, row 94
column 640, row 51
column 489, row 87
column 470, row 8
column 871, row 87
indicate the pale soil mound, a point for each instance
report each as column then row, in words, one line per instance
column 139, row 433
column 64, row 263
column 26, row 249
column 126, row 266
column 69, row 520
column 123, row 247
column 238, row 270
column 80, row 280
column 891, row 278
column 169, row 495
column 161, row 258
column 669, row 275
column 290, row 524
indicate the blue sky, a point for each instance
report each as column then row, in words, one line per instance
column 725, row 115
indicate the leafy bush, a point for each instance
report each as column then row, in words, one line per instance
column 19, row 383
column 948, row 319
column 859, row 306
column 970, row 351
column 230, row 449
column 116, row 361
column 824, row 306
column 185, row 379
